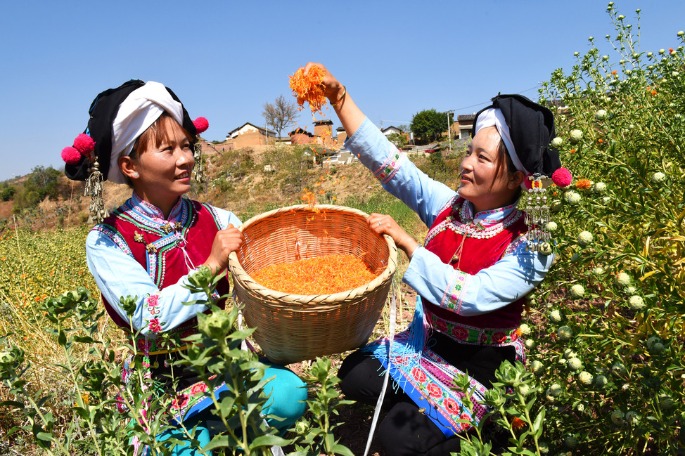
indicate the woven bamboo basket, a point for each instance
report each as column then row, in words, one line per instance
column 290, row 327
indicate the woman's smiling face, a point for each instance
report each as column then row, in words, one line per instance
column 163, row 164
column 481, row 183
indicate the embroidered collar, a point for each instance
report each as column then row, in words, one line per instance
column 482, row 218
column 150, row 210
column 481, row 225
column 150, row 218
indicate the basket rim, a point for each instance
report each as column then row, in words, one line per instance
column 247, row 281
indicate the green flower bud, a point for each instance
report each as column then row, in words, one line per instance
column 601, row 113
column 557, row 141
column 666, row 403
column 535, row 366
column 564, row 333
column 632, row 418
column 576, row 136
column 680, row 33
column 216, row 325
column 617, row 417
column 572, row 197
column 623, row 278
column 551, row 226
column 657, row 348
column 636, row 302
column 598, row 271
column 585, row 378
column 601, row 380
column 658, row 177
column 575, row 363
column 585, row 238
column 599, row 187
column 577, row 291
column 571, row 441
column 555, row 315
column 554, row 390
column 494, row 398
column 301, row 427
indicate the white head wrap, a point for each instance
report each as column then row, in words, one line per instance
column 135, row 115
column 494, row 117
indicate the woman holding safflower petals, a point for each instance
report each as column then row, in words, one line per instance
column 479, row 261
column 140, row 134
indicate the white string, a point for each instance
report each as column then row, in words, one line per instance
column 377, row 411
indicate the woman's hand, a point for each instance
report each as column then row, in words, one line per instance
column 384, row 224
column 225, row 241
column 349, row 114
column 333, row 89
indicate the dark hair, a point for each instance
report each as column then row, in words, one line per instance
column 505, row 165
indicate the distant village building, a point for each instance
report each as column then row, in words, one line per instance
column 465, row 122
column 391, row 130
column 341, row 135
column 249, row 135
column 301, row 136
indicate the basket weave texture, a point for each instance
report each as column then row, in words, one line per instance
column 290, row 327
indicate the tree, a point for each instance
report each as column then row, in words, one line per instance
column 398, row 139
column 279, row 114
column 428, row 125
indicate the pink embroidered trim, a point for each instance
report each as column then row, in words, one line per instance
column 452, row 299
column 390, row 167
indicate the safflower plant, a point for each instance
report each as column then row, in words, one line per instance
column 620, row 247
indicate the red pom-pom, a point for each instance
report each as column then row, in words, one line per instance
column 84, row 144
column 201, row 124
column 71, row 156
column 562, row 177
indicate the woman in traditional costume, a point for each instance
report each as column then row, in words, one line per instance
column 140, row 134
column 478, row 262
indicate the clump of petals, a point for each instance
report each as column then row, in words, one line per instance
column 583, row 184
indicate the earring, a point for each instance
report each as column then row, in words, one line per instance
column 135, row 175
column 537, row 216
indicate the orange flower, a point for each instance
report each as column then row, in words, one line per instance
column 572, row 151
column 583, row 184
column 600, row 141
column 671, row 51
column 309, row 87
column 614, row 72
column 653, row 92
column 517, row 423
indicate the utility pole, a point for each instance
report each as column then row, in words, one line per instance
column 449, row 129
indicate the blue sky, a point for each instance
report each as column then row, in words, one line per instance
column 225, row 59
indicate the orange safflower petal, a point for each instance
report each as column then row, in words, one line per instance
column 320, row 275
column 517, row 423
column 583, row 184
column 309, row 88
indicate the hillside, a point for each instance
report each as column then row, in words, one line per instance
column 234, row 180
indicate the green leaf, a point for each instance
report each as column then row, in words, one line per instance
column 342, row 450
column 270, row 440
